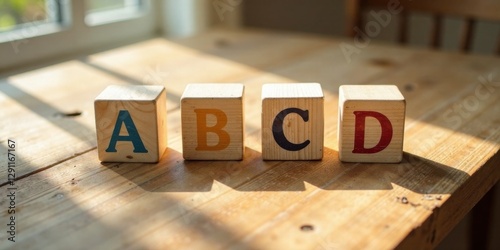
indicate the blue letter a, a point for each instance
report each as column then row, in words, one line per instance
column 133, row 135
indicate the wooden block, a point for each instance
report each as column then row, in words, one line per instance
column 371, row 123
column 212, row 122
column 131, row 123
column 292, row 121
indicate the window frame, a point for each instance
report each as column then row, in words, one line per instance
column 102, row 17
column 72, row 35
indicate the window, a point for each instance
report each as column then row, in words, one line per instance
column 14, row 14
column 38, row 31
column 35, row 32
column 27, row 18
column 102, row 12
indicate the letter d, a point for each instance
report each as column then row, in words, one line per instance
column 359, row 133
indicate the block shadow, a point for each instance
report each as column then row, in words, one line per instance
column 415, row 173
column 252, row 174
column 80, row 220
column 168, row 175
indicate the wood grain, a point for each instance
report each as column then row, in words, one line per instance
column 68, row 199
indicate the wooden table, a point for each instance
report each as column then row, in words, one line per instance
column 66, row 198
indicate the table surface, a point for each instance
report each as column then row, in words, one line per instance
column 66, row 198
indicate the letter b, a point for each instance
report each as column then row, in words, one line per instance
column 203, row 130
column 212, row 122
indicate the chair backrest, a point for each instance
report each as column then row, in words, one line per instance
column 469, row 10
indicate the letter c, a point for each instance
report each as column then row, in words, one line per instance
column 279, row 135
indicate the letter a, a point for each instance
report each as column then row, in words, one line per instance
column 359, row 134
column 133, row 135
column 203, row 130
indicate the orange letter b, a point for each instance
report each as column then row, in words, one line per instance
column 203, row 130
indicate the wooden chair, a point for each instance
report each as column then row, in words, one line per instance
column 469, row 10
